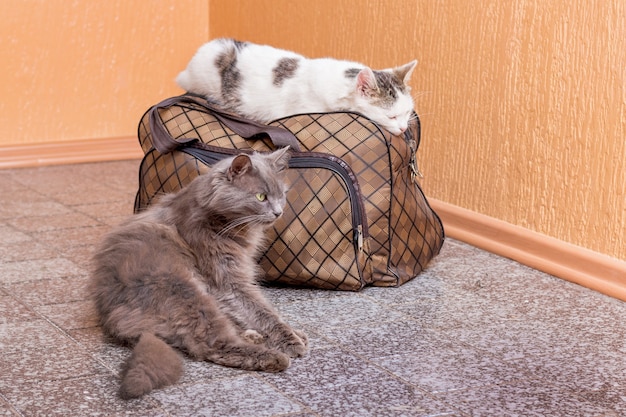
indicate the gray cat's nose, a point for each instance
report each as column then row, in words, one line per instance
column 277, row 213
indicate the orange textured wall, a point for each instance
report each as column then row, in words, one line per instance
column 88, row 69
column 523, row 103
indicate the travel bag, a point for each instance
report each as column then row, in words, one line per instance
column 355, row 212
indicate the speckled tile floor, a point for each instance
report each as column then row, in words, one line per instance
column 474, row 335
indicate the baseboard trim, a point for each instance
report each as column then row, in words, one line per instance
column 561, row 259
column 74, row 152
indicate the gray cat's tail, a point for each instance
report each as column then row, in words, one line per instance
column 153, row 364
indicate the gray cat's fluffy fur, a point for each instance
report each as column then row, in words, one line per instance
column 183, row 275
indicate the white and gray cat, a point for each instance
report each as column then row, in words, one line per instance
column 264, row 83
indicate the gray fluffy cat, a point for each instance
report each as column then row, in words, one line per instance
column 265, row 83
column 183, row 275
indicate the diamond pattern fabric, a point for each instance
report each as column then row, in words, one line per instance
column 316, row 242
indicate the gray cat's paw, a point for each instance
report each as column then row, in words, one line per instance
column 274, row 361
column 303, row 337
column 252, row 336
column 296, row 345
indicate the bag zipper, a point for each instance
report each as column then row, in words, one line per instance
column 304, row 160
column 343, row 170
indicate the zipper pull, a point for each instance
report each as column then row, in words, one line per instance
column 415, row 172
column 359, row 237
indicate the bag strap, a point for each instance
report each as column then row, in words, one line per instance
column 248, row 129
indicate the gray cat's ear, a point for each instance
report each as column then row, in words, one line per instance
column 404, row 72
column 366, row 82
column 280, row 158
column 239, row 166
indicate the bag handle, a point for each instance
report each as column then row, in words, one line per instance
column 248, row 129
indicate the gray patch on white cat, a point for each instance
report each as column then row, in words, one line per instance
column 285, row 69
column 352, row 72
column 226, row 64
column 388, row 88
column 239, row 44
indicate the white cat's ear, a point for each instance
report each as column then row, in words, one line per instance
column 404, row 72
column 280, row 158
column 366, row 82
column 239, row 166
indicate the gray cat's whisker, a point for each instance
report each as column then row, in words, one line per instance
column 236, row 223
